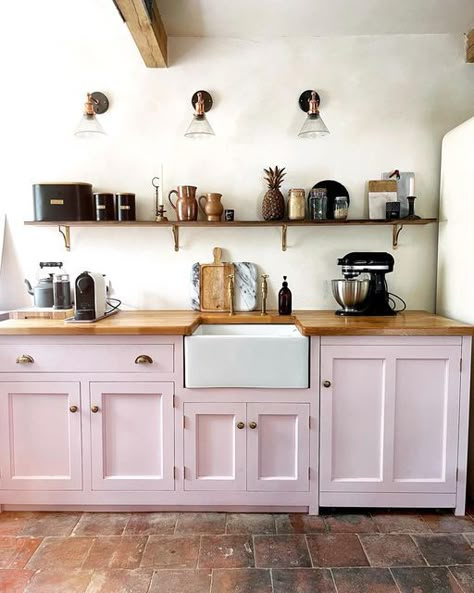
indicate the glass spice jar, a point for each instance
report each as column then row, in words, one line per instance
column 296, row 204
column 341, row 207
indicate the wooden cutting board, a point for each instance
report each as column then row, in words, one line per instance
column 41, row 313
column 214, row 284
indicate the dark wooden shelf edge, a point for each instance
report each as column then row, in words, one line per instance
column 235, row 224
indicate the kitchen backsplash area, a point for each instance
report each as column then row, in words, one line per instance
column 383, row 99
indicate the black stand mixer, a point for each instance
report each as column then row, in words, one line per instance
column 364, row 297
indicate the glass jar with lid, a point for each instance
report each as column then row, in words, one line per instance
column 318, row 203
column 296, row 204
column 341, row 207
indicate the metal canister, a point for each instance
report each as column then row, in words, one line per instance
column 296, row 204
column 125, row 206
column 104, row 206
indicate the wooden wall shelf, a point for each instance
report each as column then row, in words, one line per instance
column 397, row 226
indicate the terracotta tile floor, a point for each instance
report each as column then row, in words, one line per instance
column 379, row 552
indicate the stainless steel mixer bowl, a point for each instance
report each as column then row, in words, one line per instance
column 350, row 294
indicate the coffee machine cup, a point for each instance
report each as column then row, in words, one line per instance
column 186, row 207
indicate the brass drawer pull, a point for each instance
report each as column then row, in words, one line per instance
column 327, row 383
column 73, row 409
column 24, row 358
column 95, row 409
column 240, row 425
column 143, row 359
column 253, row 425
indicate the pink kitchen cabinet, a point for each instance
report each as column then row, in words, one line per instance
column 132, row 435
column 389, row 422
column 254, row 446
column 40, row 436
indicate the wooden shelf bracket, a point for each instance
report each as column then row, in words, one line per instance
column 396, row 230
column 175, row 231
column 284, row 228
column 66, row 233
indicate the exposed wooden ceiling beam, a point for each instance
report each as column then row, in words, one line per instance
column 470, row 47
column 144, row 23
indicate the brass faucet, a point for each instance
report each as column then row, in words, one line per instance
column 230, row 288
column 264, row 290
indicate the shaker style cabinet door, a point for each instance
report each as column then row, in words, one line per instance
column 214, row 446
column 389, row 418
column 40, row 436
column 132, row 434
column 277, row 447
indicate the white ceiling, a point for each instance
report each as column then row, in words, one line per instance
column 286, row 18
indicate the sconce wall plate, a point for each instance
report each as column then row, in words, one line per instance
column 206, row 97
column 304, row 100
column 100, row 102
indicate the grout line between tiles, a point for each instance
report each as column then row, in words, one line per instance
column 210, row 580
column 363, row 550
column 454, row 576
column 419, row 549
column 271, row 580
column 394, row 580
column 333, row 580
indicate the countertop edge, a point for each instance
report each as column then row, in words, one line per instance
column 184, row 323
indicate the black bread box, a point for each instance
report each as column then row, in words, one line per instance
column 63, row 201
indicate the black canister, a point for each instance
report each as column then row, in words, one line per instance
column 125, row 206
column 104, row 206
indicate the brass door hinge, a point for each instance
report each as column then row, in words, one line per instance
column 309, row 422
column 174, row 472
column 460, row 365
column 184, row 472
column 309, row 473
column 184, row 421
column 174, row 400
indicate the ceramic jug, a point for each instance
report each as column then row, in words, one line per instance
column 186, row 205
column 212, row 207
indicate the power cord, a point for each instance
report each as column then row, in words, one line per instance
column 114, row 307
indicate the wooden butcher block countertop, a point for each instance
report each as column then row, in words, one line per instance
column 310, row 323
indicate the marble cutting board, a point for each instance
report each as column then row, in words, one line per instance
column 245, row 297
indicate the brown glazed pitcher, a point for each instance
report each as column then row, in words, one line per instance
column 212, row 208
column 186, row 205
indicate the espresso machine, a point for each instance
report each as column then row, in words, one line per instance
column 364, row 296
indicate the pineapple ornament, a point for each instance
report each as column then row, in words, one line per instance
column 273, row 205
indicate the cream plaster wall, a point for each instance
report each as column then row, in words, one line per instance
column 388, row 101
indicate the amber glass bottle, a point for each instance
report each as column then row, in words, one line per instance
column 284, row 299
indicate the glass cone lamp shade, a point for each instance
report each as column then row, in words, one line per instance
column 199, row 128
column 313, row 127
column 89, row 126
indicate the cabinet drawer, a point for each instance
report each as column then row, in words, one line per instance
column 138, row 358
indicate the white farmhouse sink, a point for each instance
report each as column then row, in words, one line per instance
column 265, row 356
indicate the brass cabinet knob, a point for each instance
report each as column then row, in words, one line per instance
column 95, row 409
column 240, row 425
column 143, row 359
column 327, row 383
column 252, row 425
column 25, row 358
column 73, row 409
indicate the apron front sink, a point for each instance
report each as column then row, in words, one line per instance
column 264, row 356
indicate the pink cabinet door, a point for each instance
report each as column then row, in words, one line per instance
column 132, row 434
column 277, row 447
column 40, row 436
column 214, row 446
column 389, row 418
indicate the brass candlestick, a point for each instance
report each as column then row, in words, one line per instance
column 160, row 214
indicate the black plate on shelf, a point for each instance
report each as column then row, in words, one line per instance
column 334, row 189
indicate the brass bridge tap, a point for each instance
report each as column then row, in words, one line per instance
column 231, row 293
column 264, row 290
